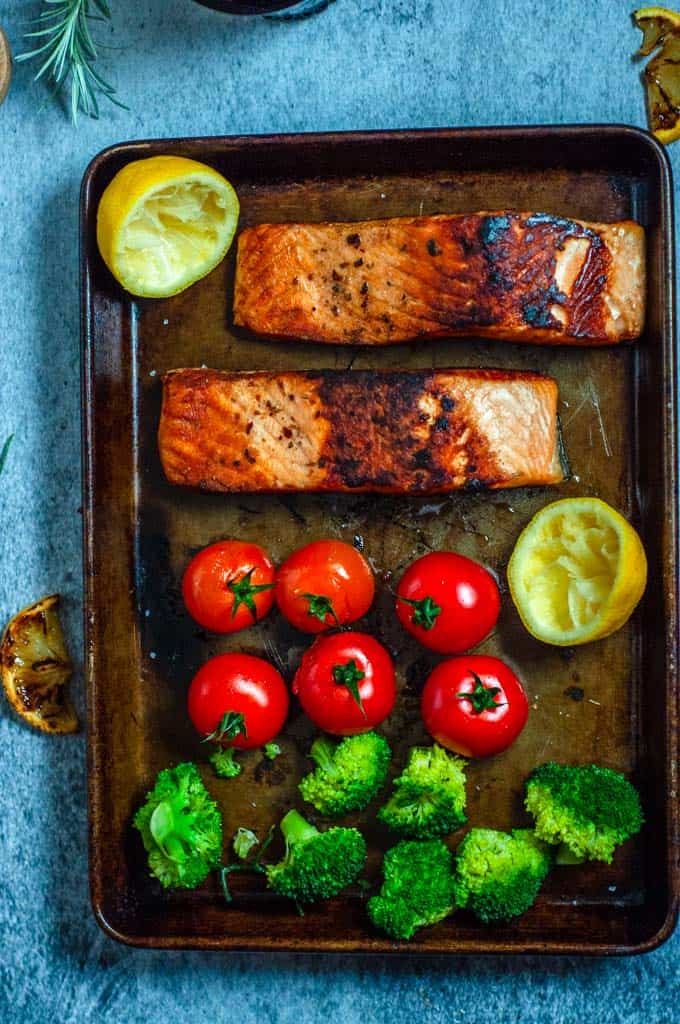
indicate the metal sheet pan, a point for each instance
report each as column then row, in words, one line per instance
column 618, row 410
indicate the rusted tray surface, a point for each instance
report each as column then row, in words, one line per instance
column 614, row 702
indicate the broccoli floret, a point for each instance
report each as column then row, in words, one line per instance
column 316, row 864
column 417, row 889
column 271, row 750
column 429, row 797
column 225, row 764
column 181, row 828
column 498, row 874
column 590, row 810
column 349, row 773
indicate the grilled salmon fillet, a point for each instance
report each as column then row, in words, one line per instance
column 421, row 432
column 521, row 276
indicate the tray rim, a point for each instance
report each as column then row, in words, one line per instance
column 132, row 149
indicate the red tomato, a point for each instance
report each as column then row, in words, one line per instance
column 474, row 705
column 249, row 690
column 327, row 583
column 228, row 586
column 345, row 683
column 448, row 602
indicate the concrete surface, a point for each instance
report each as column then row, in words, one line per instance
column 184, row 70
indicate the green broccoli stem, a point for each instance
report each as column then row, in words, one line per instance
column 228, row 869
column 322, row 752
column 295, row 829
column 162, row 828
column 565, row 857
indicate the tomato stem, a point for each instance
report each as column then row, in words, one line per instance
column 482, row 697
column 425, row 611
column 350, row 675
column 320, row 607
column 232, row 725
column 243, row 590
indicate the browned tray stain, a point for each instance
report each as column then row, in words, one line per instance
column 614, row 701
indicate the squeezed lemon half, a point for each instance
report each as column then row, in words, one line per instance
column 164, row 223
column 577, row 572
column 661, row 32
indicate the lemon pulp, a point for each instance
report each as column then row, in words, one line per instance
column 165, row 222
column 577, row 572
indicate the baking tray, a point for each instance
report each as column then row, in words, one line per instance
column 614, row 702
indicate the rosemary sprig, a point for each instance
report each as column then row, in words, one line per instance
column 68, row 50
column 5, row 452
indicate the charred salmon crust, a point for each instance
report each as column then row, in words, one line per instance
column 420, row 432
column 528, row 277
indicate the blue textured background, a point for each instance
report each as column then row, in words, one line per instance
column 184, row 70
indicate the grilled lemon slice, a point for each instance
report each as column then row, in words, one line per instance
column 661, row 32
column 165, row 222
column 5, row 65
column 577, row 572
column 35, row 667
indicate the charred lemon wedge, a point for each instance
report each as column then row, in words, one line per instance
column 577, row 572
column 661, row 32
column 36, row 666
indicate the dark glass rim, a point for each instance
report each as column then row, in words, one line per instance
column 239, row 7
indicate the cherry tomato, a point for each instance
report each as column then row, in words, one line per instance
column 228, row 586
column 448, row 602
column 345, row 683
column 238, row 700
column 327, row 583
column 474, row 705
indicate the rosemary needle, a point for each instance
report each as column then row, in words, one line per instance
column 5, row 452
column 68, row 50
